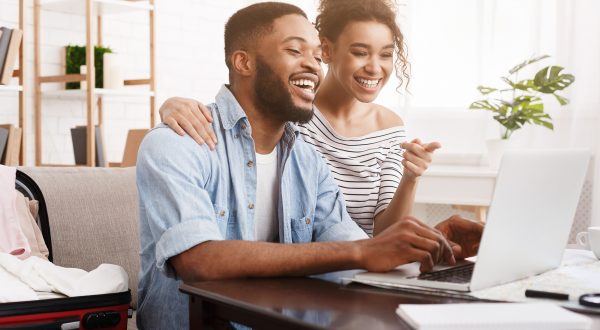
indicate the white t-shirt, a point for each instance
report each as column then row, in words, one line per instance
column 267, row 192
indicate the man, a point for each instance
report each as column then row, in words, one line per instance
column 223, row 214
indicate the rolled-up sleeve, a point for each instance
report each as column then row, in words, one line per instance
column 176, row 212
column 332, row 221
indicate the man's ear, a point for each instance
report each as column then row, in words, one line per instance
column 242, row 63
column 327, row 50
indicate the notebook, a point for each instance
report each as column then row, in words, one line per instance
column 514, row 316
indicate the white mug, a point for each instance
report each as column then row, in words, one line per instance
column 590, row 240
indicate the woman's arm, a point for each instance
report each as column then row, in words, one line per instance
column 416, row 159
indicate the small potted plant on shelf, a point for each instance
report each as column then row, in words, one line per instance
column 520, row 102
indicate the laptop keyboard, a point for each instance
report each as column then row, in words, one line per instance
column 460, row 274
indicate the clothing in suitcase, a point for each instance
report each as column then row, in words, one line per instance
column 103, row 311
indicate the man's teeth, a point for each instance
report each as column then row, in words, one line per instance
column 304, row 83
column 368, row 83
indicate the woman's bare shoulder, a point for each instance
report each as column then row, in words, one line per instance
column 386, row 118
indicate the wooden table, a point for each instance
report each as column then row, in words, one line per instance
column 301, row 303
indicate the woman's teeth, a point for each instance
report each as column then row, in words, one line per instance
column 367, row 82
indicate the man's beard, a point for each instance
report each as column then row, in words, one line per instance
column 273, row 98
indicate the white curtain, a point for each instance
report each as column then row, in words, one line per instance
column 454, row 46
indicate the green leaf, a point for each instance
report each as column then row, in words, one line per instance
column 550, row 80
column 520, row 66
column 508, row 81
column 486, row 90
column 546, row 123
column 526, row 85
column 485, row 105
column 560, row 99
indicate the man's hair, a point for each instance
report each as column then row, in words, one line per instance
column 247, row 25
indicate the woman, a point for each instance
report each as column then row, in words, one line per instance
column 361, row 141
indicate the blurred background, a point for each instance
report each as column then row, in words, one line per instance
column 453, row 46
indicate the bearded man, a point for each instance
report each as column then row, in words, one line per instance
column 264, row 202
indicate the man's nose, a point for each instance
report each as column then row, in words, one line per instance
column 312, row 63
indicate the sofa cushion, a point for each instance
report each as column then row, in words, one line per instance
column 93, row 216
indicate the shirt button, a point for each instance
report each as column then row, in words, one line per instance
column 243, row 126
column 250, row 163
column 251, row 206
column 222, row 213
column 308, row 221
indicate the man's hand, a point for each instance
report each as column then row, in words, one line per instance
column 417, row 157
column 405, row 241
column 191, row 117
column 464, row 235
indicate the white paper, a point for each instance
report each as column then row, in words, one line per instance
column 491, row 316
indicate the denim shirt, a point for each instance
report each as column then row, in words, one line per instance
column 190, row 195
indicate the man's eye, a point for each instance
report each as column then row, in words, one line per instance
column 294, row 51
column 318, row 59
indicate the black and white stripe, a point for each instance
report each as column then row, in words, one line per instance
column 368, row 169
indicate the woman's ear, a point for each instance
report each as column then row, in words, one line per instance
column 242, row 63
column 327, row 50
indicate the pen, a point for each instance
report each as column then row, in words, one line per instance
column 545, row 294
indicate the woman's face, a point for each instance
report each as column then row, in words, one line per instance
column 361, row 59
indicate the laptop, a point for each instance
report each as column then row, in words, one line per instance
column 533, row 207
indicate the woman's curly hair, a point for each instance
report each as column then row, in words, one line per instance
column 334, row 15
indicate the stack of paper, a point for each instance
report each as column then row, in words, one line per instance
column 514, row 316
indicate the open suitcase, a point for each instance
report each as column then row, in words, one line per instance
column 107, row 311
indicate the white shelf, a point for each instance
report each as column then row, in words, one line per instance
column 99, row 92
column 101, row 7
column 10, row 88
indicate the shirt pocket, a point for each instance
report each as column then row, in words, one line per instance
column 302, row 230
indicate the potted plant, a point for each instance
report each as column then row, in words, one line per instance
column 75, row 58
column 520, row 102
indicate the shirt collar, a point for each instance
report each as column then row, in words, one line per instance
column 228, row 107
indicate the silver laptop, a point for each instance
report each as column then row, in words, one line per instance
column 529, row 221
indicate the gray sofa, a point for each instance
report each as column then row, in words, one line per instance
column 93, row 216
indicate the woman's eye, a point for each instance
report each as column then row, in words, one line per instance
column 359, row 54
column 387, row 55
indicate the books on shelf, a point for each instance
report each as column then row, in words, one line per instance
column 132, row 145
column 3, row 140
column 11, row 147
column 10, row 41
column 79, row 137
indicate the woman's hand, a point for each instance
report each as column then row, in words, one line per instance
column 417, row 157
column 189, row 116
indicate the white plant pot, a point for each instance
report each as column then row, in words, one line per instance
column 495, row 150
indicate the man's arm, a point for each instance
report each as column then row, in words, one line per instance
column 176, row 213
column 403, row 242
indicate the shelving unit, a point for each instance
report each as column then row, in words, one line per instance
column 20, row 74
column 93, row 10
column 82, row 93
column 11, row 88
